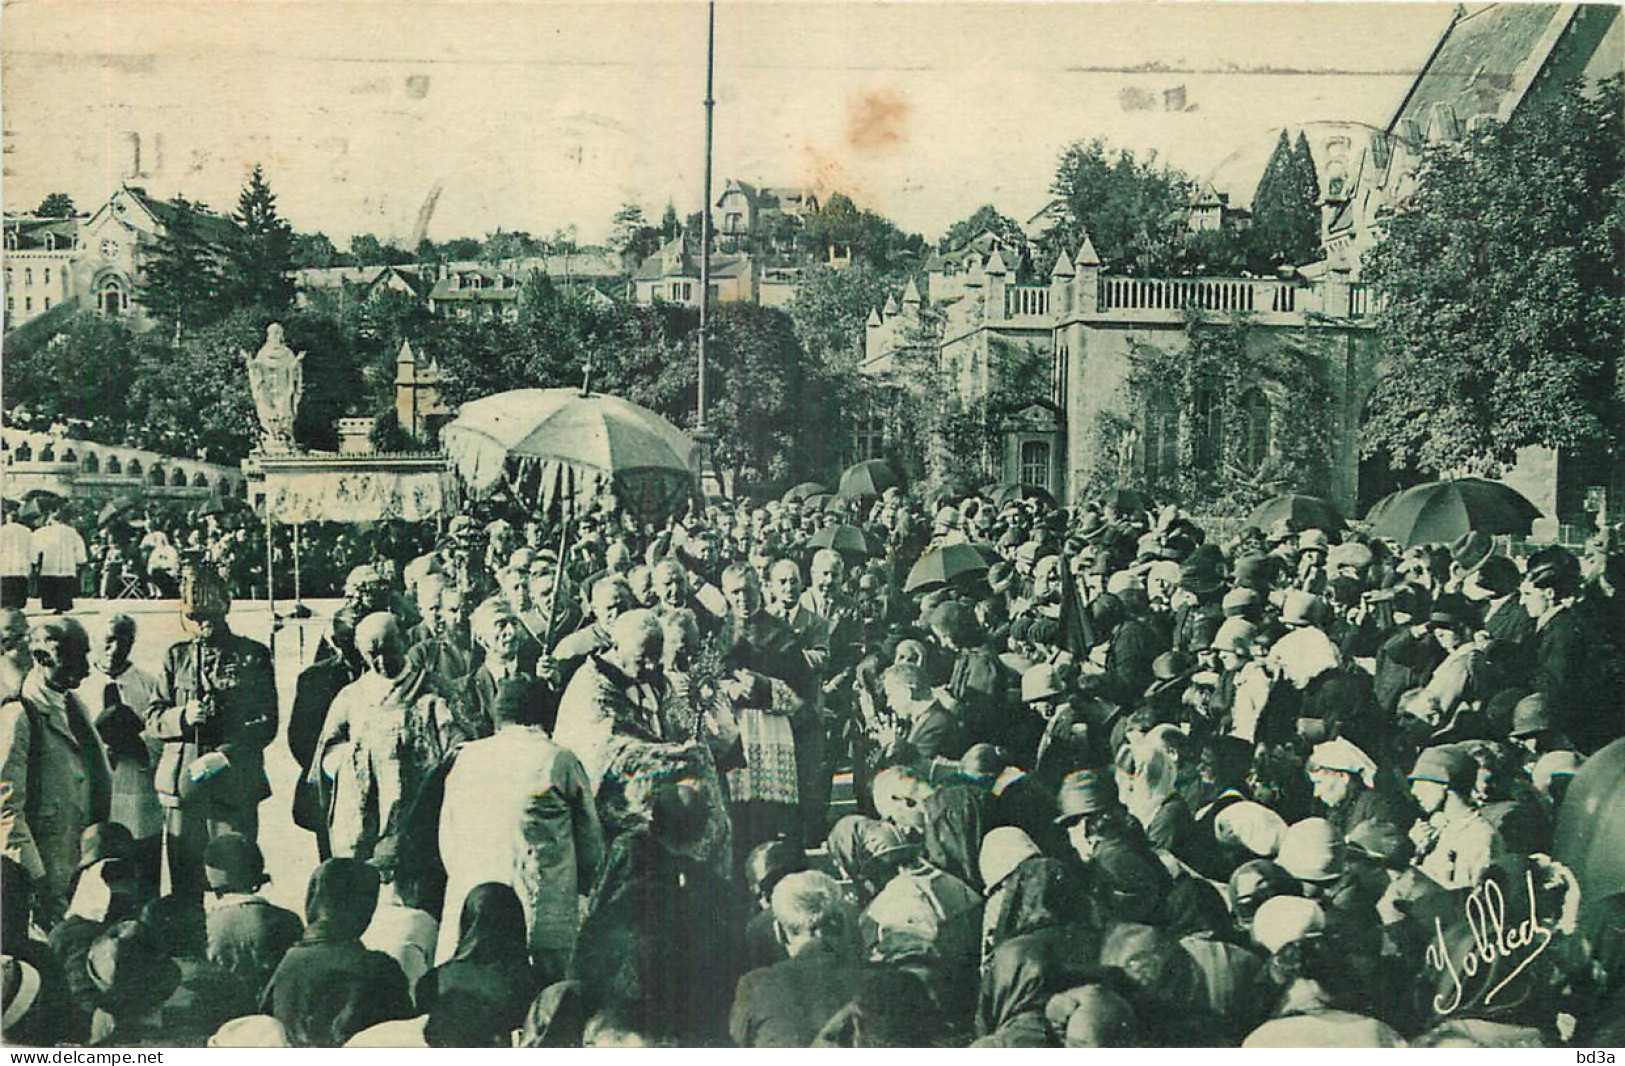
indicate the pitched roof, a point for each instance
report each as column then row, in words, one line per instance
column 1484, row 62
column 212, row 225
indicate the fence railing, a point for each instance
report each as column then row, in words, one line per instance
column 1026, row 301
column 1197, row 294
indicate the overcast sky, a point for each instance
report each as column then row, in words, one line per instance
column 538, row 115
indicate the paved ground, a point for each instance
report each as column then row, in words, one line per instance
column 290, row 852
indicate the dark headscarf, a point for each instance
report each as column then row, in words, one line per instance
column 491, row 928
column 1024, row 973
column 483, row 991
column 340, row 900
column 1041, row 893
column 956, row 820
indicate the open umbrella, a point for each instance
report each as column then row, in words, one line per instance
column 799, row 493
column 565, row 446
column 1441, row 511
column 841, row 537
column 1590, row 838
column 946, row 565
column 1005, row 494
column 1125, row 500
column 818, row 501
column 868, row 478
column 1303, row 512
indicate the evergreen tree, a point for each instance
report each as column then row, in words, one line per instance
column 261, row 255
column 183, row 281
column 1286, row 215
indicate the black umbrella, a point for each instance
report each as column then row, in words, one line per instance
column 1301, row 512
column 869, row 478
column 799, row 493
column 949, row 564
column 1441, row 511
column 841, row 537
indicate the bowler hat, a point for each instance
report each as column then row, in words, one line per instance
column 1254, row 572
column 1086, row 792
column 1496, row 576
column 104, row 840
column 1530, row 716
column 1470, row 549
column 232, row 862
column 1380, row 841
column 1448, row 765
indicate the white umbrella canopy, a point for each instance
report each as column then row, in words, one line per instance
column 567, row 446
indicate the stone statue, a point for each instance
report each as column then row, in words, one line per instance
column 276, row 377
column 1128, row 456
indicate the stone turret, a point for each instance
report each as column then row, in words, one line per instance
column 1087, row 282
column 1060, row 284
column 417, row 393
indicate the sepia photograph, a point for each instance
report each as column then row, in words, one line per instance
column 836, row 524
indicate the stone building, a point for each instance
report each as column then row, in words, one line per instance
column 39, row 257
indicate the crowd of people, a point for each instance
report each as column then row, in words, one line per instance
column 1102, row 782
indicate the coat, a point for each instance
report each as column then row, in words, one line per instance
column 54, row 781
column 248, row 935
column 518, row 810
column 237, row 676
column 325, row 991
column 786, row 1004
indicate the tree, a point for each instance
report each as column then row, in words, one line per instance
column 1130, row 208
column 57, row 205
column 831, row 307
column 670, row 224
column 182, row 282
column 368, row 250
column 80, row 372
column 314, row 250
column 986, row 218
column 1286, row 212
column 871, row 238
column 261, row 251
column 1500, row 283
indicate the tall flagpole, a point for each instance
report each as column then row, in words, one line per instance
column 702, row 431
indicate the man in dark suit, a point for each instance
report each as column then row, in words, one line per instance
column 1568, row 655
column 215, row 709
column 788, row 1003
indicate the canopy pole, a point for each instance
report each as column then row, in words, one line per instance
column 558, row 575
column 270, row 576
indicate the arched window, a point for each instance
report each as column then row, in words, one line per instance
column 1254, row 442
column 1035, row 463
column 199, row 481
column 93, row 465
column 70, row 456
column 177, row 479
column 1161, row 437
column 47, row 454
column 157, row 475
column 24, row 452
column 1207, row 426
column 223, row 486
column 114, row 466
